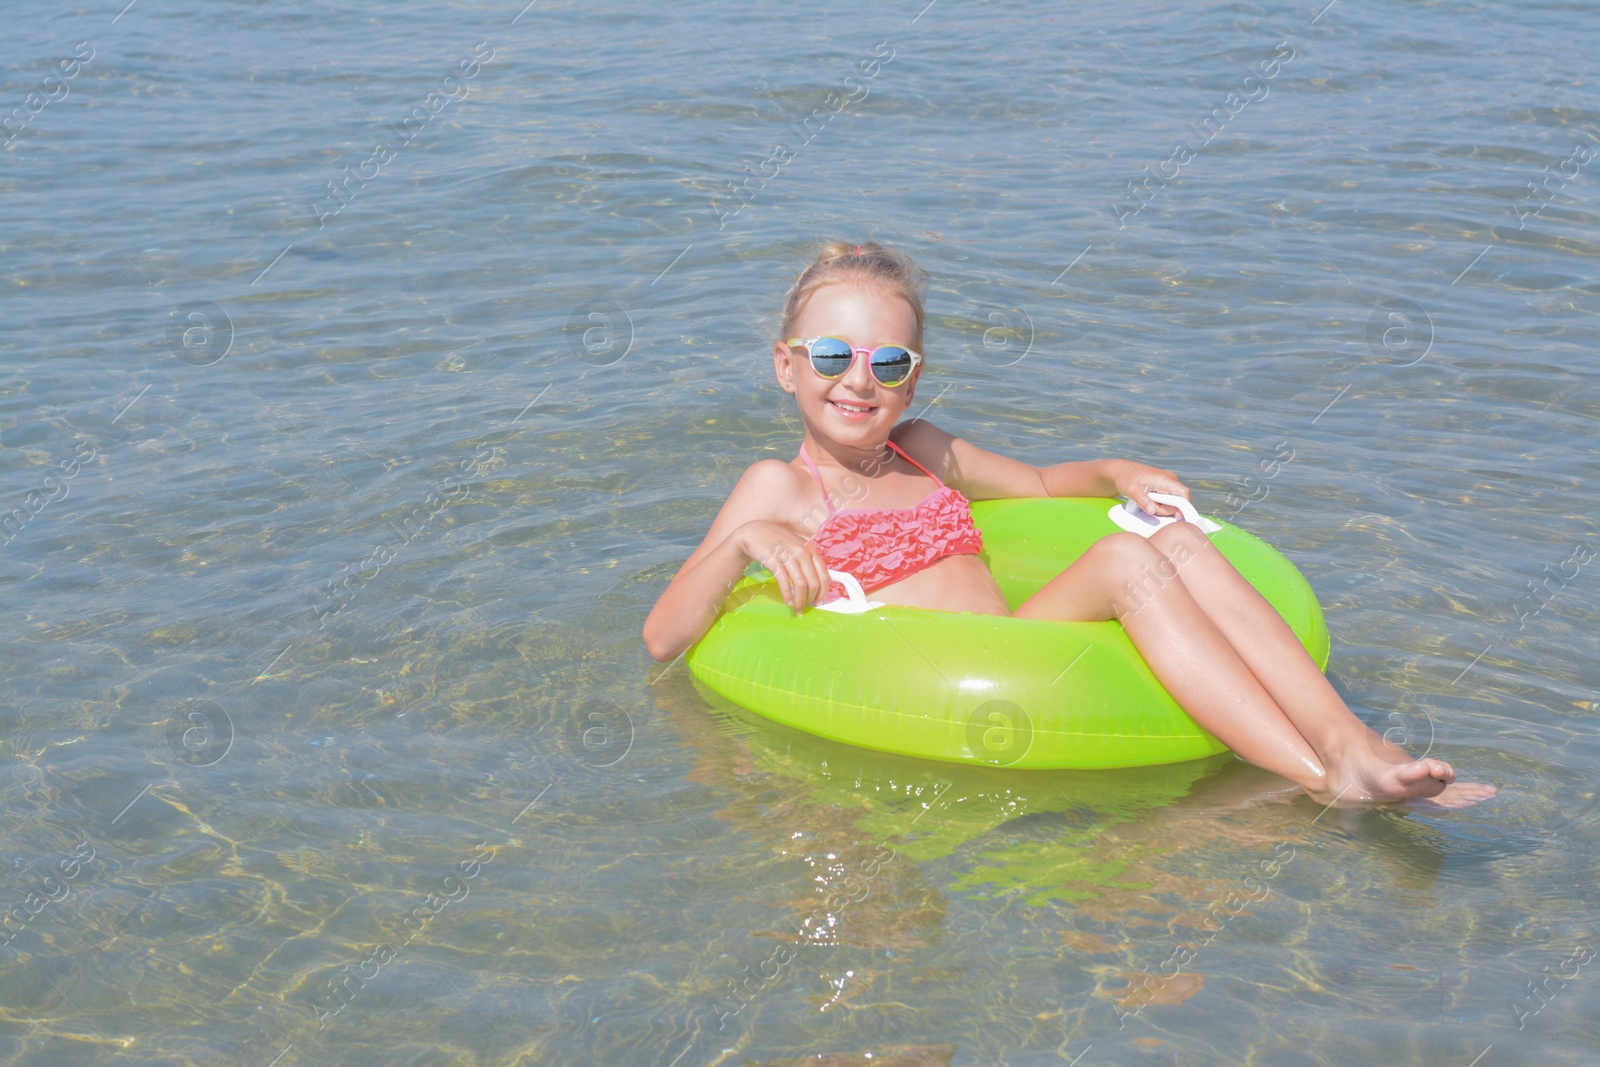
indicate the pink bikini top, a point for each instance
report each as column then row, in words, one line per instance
column 880, row 546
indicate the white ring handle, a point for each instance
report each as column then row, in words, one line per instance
column 1133, row 518
column 1187, row 510
column 855, row 600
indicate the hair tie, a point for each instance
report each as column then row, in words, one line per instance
column 858, row 250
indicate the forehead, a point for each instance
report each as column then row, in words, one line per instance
column 859, row 305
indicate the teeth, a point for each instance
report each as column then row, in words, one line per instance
column 851, row 407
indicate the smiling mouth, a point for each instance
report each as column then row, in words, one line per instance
column 854, row 409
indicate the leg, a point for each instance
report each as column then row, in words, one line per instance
column 1263, row 640
column 1185, row 650
column 1361, row 765
column 1233, row 664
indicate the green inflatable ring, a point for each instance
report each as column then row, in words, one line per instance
column 983, row 688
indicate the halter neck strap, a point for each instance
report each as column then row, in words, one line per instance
column 828, row 500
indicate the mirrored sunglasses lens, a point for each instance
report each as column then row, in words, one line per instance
column 891, row 364
column 831, row 357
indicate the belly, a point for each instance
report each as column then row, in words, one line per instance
column 954, row 583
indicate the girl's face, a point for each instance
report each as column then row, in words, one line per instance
column 855, row 408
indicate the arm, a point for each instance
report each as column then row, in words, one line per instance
column 982, row 475
column 750, row 526
column 1115, row 477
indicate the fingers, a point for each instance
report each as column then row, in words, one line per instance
column 812, row 570
column 802, row 576
column 793, row 585
column 1147, row 480
column 1141, row 496
column 1162, row 481
column 819, row 572
column 1174, row 489
column 796, row 587
column 783, row 587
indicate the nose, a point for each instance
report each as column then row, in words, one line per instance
column 859, row 377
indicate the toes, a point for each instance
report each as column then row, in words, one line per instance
column 1460, row 795
column 1437, row 769
column 1424, row 772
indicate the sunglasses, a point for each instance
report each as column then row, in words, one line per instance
column 831, row 357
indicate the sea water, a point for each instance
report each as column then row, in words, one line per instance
column 370, row 368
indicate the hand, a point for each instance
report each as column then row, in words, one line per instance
column 801, row 571
column 1137, row 481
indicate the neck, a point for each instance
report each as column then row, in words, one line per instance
column 866, row 460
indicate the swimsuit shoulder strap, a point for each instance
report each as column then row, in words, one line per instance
column 826, row 499
column 902, row 454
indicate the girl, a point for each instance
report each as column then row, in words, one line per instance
column 850, row 349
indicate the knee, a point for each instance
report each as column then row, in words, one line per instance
column 1135, row 568
column 1181, row 541
column 1126, row 552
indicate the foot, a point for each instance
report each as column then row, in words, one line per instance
column 1367, row 779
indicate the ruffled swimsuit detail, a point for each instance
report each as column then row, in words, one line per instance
column 881, row 546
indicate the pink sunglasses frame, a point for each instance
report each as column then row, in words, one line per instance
column 856, row 353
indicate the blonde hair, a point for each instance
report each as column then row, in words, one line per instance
column 864, row 263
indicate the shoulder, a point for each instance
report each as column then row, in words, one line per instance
column 929, row 445
column 916, row 432
column 767, row 489
column 960, row 464
column 767, row 474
